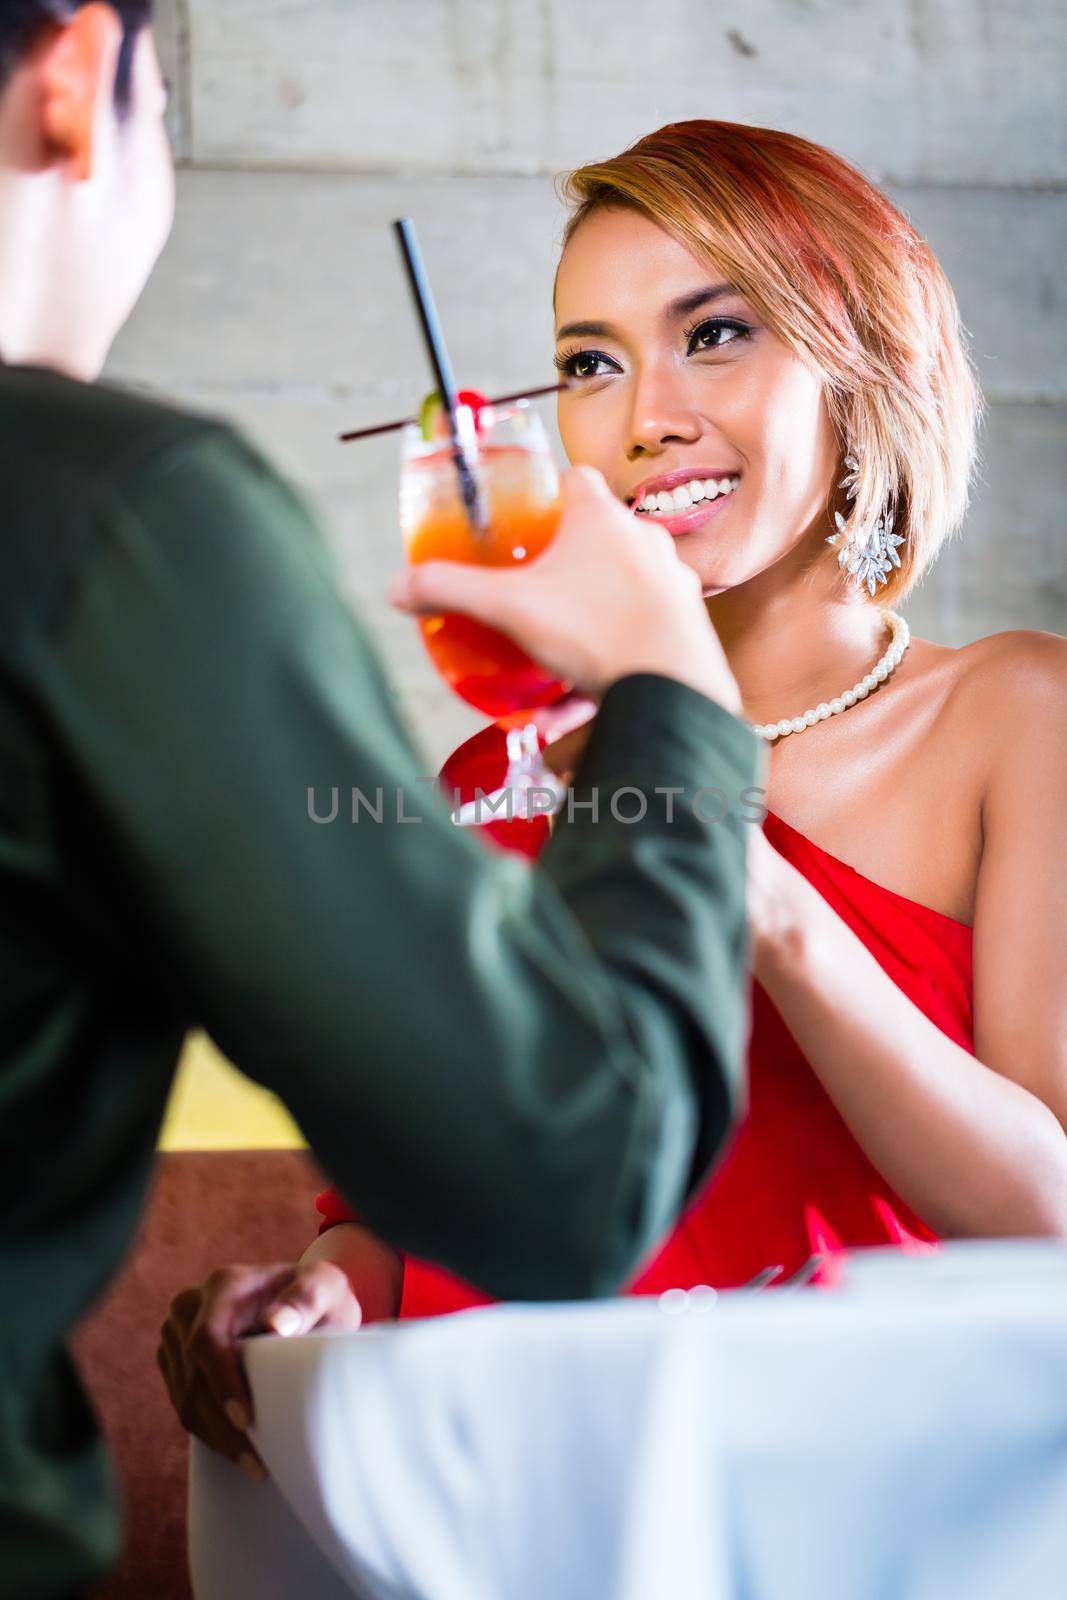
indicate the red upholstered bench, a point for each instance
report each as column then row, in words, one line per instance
column 206, row 1209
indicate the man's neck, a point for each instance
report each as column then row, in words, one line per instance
column 39, row 323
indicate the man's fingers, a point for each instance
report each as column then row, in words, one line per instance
column 252, row 1467
column 204, row 1419
column 580, row 487
column 198, row 1413
column 232, row 1305
column 184, row 1309
column 198, row 1354
column 213, row 1355
column 439, row 586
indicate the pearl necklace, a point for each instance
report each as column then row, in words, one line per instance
column 900, row 639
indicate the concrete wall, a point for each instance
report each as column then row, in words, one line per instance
column 304, row 126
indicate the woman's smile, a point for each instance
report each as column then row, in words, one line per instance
column 685, row 499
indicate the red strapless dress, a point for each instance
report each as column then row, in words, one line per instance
column 794, row 1183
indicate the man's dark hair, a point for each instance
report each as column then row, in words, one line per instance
column 21, row 22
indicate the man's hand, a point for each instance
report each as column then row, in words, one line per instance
column 607, row 598
column 198, row 1353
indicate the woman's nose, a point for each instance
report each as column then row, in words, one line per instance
column 660, row 416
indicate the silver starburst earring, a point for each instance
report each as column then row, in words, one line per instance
column 869, row 553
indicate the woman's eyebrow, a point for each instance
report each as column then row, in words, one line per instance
column 674, row 312
column 585, row 330
column 688, row 303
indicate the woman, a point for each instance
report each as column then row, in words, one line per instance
column 767, row 359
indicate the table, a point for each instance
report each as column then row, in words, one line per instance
column 903, row 1436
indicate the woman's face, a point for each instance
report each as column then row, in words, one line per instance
column 682, row 391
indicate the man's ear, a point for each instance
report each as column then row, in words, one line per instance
column 76, row 71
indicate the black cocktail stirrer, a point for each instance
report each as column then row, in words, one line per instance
column 378, row 428
column 442, row 367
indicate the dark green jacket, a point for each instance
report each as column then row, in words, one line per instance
column 519, row 1074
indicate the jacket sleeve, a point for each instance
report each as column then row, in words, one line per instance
column 518, row 1074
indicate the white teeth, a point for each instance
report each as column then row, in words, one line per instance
column 668, row 501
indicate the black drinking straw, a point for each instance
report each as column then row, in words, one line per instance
column 442, row 366
column 497, row 400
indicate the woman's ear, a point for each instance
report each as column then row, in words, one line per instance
column 75, row 69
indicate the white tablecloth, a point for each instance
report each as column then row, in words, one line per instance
column 903, row 1438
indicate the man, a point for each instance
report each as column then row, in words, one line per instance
column 520, row 1075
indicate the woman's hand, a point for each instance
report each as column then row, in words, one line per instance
column 567, row 726
column 776, row 897
column 198, row 1354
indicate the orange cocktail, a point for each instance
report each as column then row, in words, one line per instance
column 519, row 486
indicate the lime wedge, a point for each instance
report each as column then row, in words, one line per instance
column 432, row 422
column 430, row 410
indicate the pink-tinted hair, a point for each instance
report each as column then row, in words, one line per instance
column 841, row 276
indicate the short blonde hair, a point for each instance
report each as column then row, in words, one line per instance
column 841, row 276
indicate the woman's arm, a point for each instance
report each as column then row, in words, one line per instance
column 373, row 1268
column 974, row 1144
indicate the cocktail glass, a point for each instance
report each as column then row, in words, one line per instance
column 507, row 451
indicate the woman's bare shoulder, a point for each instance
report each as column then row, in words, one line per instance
column 1010, row 701
column 997, row 699
column 1023, row 667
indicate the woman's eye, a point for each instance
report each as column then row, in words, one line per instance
column 584, row 364
column 714, row 334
